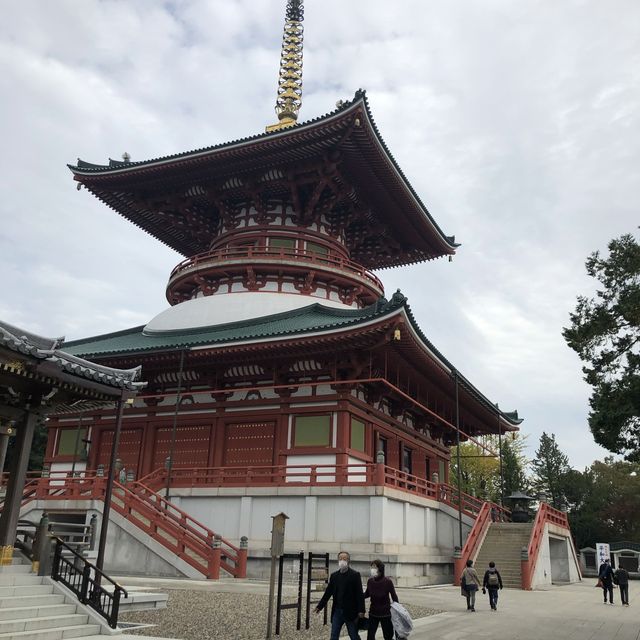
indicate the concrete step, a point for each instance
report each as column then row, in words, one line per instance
column 36, row 612
column 8, row 579
column 51, row 622
column 15, row 568
column 77, row 631
column 25, row 590
column 30, row 601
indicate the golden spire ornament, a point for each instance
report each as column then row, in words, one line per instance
column 289, row 98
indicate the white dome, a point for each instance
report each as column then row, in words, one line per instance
column 231, row 307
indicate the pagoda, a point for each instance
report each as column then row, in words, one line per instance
column 280, row 377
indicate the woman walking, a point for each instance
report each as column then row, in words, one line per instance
column 470, row 583
column 380, row 589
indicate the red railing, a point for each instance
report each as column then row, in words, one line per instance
column 190, row 540
column 546, row 514
column 364, row 474
column 210, row 258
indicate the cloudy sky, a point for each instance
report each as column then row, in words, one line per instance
column 516, row 121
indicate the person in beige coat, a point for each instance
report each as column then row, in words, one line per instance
column 470, row 583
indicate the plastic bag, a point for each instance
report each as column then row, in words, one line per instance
column 401, row 620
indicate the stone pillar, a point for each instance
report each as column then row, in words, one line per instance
column 15, row 485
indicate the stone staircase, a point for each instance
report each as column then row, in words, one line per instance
column 32, row 609
column 502, row 545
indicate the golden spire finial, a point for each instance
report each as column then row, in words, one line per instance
column 289, row 98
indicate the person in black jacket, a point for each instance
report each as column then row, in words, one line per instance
column 345, row 585
column 621, row 578
column 605, row 574
column 491, row 583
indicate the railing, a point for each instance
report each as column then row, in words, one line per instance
column 546, row 514
column 210, row 258
column 364, row 474
column 85, row 581
column 190, row 540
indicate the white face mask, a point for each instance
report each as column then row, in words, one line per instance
column 374, row 572
column 343, row 564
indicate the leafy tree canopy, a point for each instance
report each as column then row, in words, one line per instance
column 549, row 467
column 605, row 333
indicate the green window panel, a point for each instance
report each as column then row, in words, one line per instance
column 282, row 243
column 357, row 434
column 317, row 248
column 67, row 441
column 312, row 431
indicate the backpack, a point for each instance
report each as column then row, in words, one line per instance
column 493, row 581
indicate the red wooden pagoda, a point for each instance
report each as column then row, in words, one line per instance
column 279, row 360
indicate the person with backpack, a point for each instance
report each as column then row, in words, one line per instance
column 621, row 578
column 492, row 583
column 470, row 583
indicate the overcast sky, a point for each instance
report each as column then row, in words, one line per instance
column 517, row 122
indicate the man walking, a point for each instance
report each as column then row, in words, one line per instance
column 492, row 583
column 345, row 585
column 605, row 575
column 621, row 578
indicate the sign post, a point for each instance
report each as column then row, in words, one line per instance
column 277, row 549
column 602, row 552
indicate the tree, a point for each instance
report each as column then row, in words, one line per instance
column 604, row 502
column 480, row 471
column 514, row 464
column 549, row 468
column 605, row 333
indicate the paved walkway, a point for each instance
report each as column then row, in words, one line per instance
column 571, row 612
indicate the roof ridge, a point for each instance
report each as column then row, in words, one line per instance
column 90, row 166
column 113, row 334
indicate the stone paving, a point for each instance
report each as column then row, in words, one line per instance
column 569, row 612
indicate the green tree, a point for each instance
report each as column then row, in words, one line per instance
column 605, row 333
column 549, row 467
column 603, row 502
column 514, row 464
column 480, row 471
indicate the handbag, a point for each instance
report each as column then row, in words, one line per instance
column 599, row 583
column 363, row 624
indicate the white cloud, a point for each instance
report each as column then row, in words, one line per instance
column 517, row 123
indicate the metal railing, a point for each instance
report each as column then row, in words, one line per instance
column 273, row 254
column 85, row 580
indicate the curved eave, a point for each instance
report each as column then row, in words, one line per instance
column 509, row 419
column 103, row 181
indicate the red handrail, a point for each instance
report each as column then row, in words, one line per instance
column 194, row 543
column 274, row 253
column 546, row 514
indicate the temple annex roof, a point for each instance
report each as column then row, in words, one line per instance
column 29, row 362
column 312, row 320
column 179, row 198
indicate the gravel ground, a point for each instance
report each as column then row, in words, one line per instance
column 206, row 615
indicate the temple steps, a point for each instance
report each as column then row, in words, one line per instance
column 30, row 608
column 503, row 545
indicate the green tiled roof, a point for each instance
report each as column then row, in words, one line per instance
column 313, row 318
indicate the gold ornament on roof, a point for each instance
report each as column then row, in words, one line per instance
column 289, row 98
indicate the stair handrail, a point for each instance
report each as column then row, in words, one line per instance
column 84, row 580
column 473, row 542
column 213, row 548
column 170, row 510
column 546, row 514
